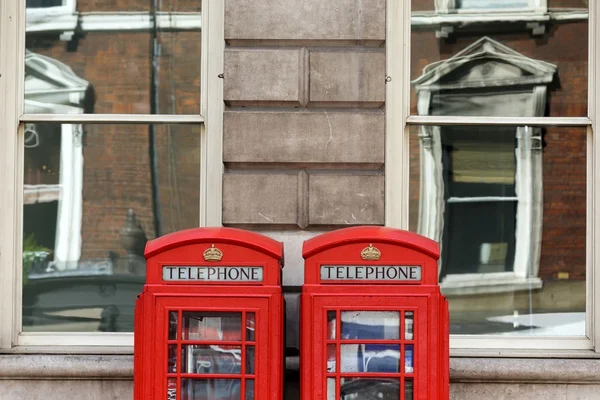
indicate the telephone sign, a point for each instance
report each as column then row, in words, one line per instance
column 374, row 323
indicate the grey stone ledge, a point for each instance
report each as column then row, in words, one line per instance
column 525, row 370
column 111, row 367
column 60, row 366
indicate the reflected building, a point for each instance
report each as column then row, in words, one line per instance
column 506, row 204
column 94, row 193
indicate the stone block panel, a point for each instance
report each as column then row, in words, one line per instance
column 305, row 20
column 304, row 137
column 260, row 199
column 346, row 199
column 263, row 75
column 347, row 76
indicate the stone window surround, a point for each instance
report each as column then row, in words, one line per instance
column 528, row 178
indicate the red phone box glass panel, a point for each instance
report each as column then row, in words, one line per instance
column 373, row 321
column 209, row 322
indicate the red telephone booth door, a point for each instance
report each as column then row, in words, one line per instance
column 214, row 352
column 375, row 349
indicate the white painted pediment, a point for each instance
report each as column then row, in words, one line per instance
column 485, row 63
column 51, row 85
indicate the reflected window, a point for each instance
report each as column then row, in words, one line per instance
column 481, row 187
column 43, row 3
column 480, row 200
column 492, row 4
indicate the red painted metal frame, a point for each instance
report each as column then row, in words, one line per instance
column 430, row 319
column 158, row 298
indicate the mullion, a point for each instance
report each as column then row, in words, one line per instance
column 178, row 360
column 243, row 358
column 402, row 362
column 338, row 358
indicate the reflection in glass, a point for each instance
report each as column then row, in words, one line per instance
column 172, row 358
column 249, row 360
column 149, row 65
column 249, row 389
column 508, row 206
column 250, row 327
column 212, row 326
column 408, row 359
column 171, row 389
column 370, row 358
column 199, row 359
column 498, row 58
column 210, row 389
column 370, row 325
column 330, row 388
column 370, row 388
column 92, row 197
column 173, row 325
column 331, row 358
column 408, row 325
column 331, row 324
column 408, row 389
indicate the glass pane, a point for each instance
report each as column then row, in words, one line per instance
column 370, row 325
column 408, row 389
column 331, row 325
column 250, row 326
column 173, row 325
column 92, row 198
column 171, row 389
column 370, row 388
column 408, row 325
column 114, row 60
column 370, row 358
column 210, row 389
column 212, row 326
column 513, row 237
column 172, row 358
column 330, row 388
column 408, row 359
column 331, row 358
column 467, row 60
column 211, row 359
column 250, row 360
column 249, row 389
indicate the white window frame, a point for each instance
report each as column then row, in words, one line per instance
column 210, row 118
column 449, row 6
column 398, row 120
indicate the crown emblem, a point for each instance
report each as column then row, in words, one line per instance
column 213, row 254
column 370, row 253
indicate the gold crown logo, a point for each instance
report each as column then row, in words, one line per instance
column 213, row 254
column 370, row 253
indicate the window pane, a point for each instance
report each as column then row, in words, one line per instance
column 210, row 389
column 211, row 326
column 370, row 325
column 513, row 237
column 211, row 359
column 370, row 388
column 92, row 198
column 383, row 358
column 499, row 63
column 114, row 61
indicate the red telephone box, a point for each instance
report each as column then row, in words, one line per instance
column 374, row 324
column 209, row 322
